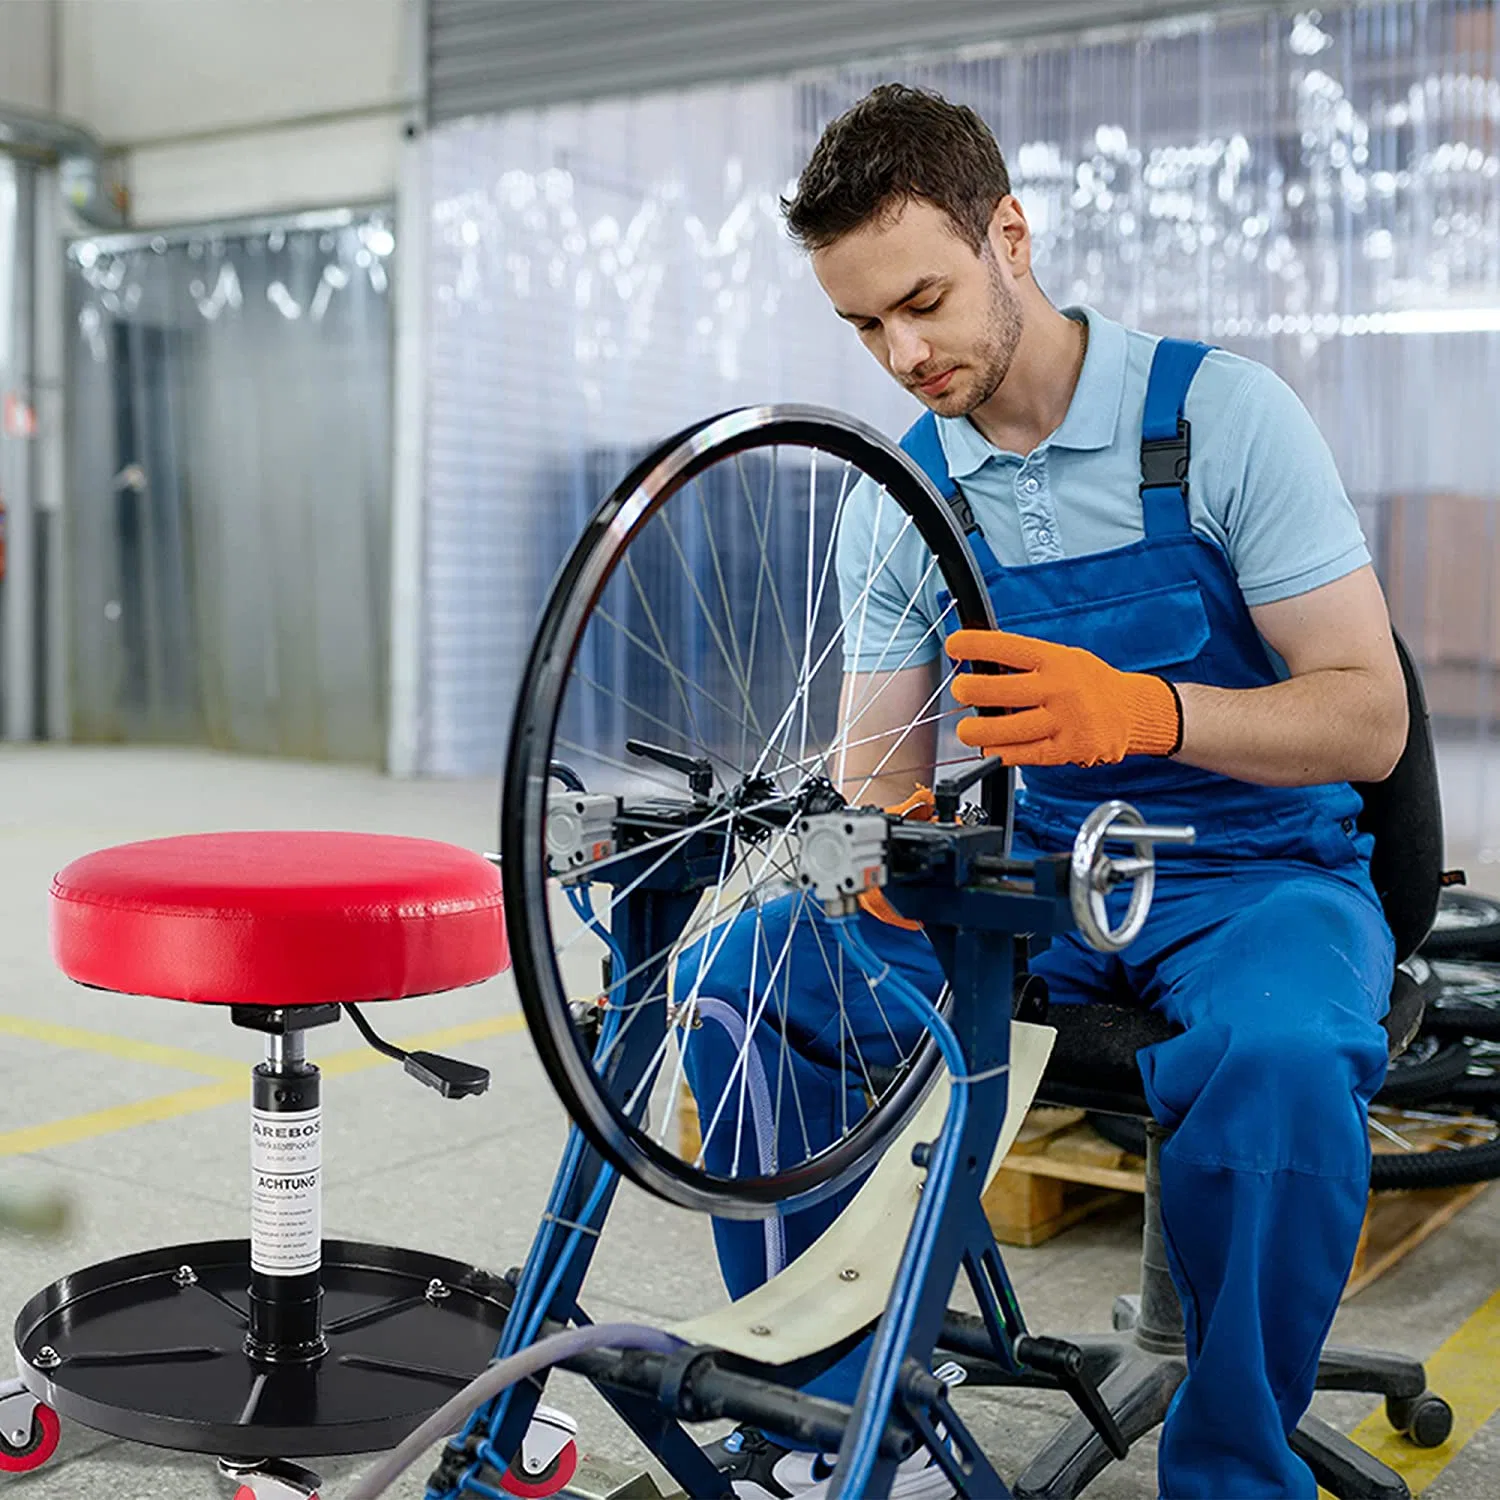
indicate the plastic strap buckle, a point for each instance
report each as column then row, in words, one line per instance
column 1164, row 461
column 963, row 513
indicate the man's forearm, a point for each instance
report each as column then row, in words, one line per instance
column 1338, row 724
column 887, row 739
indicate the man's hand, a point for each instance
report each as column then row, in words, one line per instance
column 1071, row 707
column 1340, row 714
column 919, row 808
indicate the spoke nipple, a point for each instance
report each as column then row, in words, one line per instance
column 47, row 1358
column 185, row 1276
column 760, row 1330
column 436, row 1291
column 848, row 1274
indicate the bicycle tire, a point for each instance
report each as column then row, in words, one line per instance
column 1431, row 1065
column 1392, row 1171
column 1473, row 1090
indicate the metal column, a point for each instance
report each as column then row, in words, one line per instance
column 18, row 594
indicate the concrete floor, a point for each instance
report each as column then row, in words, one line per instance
column 465, row 1179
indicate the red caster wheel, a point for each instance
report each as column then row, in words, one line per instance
column 548, row 1458
column 275, row 1479
column 29, row 1431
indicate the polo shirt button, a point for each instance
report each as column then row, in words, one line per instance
column 1031, row 486
column 1044, row 536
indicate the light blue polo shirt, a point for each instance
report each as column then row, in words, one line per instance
column 1261, row 484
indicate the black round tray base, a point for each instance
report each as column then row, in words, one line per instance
column 142, row 1350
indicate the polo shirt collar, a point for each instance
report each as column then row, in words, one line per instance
column 1093, row 414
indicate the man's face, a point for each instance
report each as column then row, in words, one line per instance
column 943, row 320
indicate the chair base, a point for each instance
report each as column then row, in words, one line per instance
column 1139, row 1385
column 151, row 1347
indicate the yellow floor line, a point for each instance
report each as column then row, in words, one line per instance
column 55, row 1133
column 1465, row 1372
column 76, row 1128
column 79, row 1040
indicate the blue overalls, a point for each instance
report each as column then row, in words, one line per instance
column 1265, row 943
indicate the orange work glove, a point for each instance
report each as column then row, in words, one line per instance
column 918, row 808
column 1073, row 709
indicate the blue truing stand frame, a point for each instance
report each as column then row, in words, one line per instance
column 981, row 912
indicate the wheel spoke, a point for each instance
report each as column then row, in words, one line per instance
column 741, row 681
column 677, row 679
column 671, row 668
column 734, row 640
column 766, row 574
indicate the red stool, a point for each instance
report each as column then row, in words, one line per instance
column 285, row 1345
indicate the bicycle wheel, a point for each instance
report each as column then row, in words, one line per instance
column 1434, row 1147
column 1467, row 925
column 1480, row 1085
column 1438, row 1147
column 688, row 669
column 1423, row 1071
column 1467, row 1002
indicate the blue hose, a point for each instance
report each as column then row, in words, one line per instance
column 519, row 1333
column 892, row 1335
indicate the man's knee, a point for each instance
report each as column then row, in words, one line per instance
column 1290, row 1067
column 1275, row 1094
column 721, row 962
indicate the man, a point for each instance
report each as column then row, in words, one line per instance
column 1219, row 655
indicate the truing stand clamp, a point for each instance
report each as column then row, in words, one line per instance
column 858, row 849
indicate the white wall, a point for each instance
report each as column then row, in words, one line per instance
column 224, row 107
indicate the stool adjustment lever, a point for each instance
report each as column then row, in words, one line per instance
column 452, row 1078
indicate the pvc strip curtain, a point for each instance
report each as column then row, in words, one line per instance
column 1318, row 191
column 229, row 486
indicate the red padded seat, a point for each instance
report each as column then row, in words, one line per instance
column 279, row 919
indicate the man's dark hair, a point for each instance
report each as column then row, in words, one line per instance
column 896, row 144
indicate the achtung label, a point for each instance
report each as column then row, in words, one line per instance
column 286, row 1192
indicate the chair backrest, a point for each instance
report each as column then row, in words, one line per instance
column 1405, row 814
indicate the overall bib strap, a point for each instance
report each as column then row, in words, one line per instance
column 1164, row 436
column 925, row 449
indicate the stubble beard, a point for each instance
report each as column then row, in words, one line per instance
column 993, row 354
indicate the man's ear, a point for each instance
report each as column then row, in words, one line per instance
column 1009, row 235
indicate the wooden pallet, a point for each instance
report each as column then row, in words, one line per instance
column 1061, row 1170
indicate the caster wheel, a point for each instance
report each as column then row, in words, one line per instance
column 27, row 1438
column 548, row 1458
column 275, row 1479
column 1126, row 1312
column 549, row 1481
column 1426, row 1420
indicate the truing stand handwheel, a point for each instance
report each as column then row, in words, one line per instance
column 1095, row 875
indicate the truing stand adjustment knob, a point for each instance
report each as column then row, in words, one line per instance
column 1095, row 875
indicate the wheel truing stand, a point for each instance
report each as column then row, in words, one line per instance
column 981, row 909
